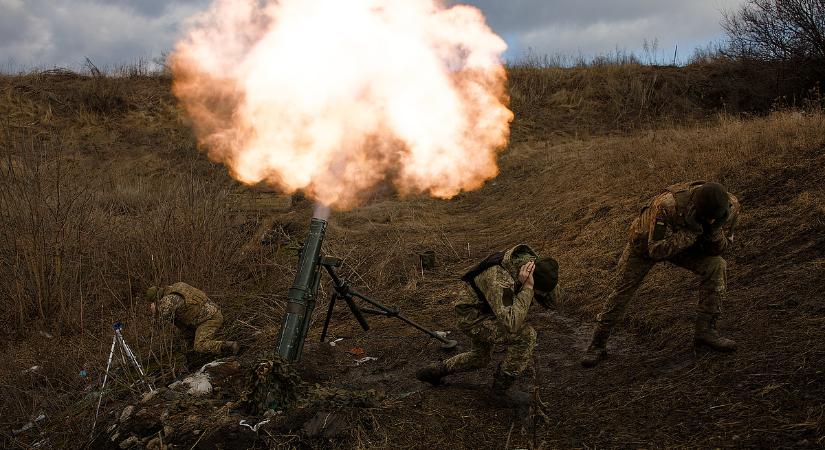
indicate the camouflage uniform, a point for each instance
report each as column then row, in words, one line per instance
column 667, row 231
column 500, row 320
column 193, row 312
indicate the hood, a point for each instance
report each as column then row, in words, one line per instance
column 516, row 257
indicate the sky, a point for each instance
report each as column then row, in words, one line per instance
column 63, row 33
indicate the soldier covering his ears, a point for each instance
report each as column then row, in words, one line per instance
column 492, row 310
column 689, row 225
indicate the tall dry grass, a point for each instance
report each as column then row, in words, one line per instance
column 79, row 247
column 102, row 194
column 620, row 94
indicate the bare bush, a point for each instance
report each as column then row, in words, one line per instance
column 777, row 30
column 48, row 230
column 77, row 245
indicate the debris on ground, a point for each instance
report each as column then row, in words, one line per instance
column 242, row 400
column 356, row 351
column 360, row 361
column 31, row 369
column 28, row 426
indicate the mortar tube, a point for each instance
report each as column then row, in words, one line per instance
column 301, row 294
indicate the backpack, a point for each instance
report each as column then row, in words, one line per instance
column 492, row 260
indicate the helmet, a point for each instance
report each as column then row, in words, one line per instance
column 152, row 294
column 711, row 201
column 546, row 274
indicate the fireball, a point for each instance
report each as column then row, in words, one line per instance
column 332, row 97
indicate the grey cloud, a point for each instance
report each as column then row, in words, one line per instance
column 65, row 32
column 150, row 8
column 44, row 33
column 517, row 15
column 590, row 27
column 15, row 22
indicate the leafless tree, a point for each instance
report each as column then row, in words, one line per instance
column 785, row 30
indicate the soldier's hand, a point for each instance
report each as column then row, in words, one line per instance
column 711, row 228
column 525, row 274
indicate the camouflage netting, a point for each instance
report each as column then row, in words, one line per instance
column 275, row 384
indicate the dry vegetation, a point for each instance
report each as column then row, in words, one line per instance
column 103, row 192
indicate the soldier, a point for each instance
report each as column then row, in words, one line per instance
column 492, row 309
column 689, row 225
column 192, row 312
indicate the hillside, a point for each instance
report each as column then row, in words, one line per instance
column 103, row 192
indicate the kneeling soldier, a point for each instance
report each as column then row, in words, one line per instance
column 689, row 225
column 492, row 310
column 192, row 312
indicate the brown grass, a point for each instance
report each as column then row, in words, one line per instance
column 624, row 95
column 102, row 193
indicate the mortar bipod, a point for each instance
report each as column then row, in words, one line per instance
column 341, row 289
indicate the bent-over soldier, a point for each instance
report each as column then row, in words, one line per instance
column 689, row 225
column 192, row 312
column 492, row 309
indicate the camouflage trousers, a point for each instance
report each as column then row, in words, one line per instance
column 484, row 336
column 633, row 267
column 203, row 335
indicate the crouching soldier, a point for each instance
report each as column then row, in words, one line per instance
column 193, row 313
column 689, row 225
column 492, row 309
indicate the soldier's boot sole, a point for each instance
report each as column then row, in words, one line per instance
column 593, row 357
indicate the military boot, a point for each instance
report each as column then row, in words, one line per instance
column 707, row 335
column 596, row 351
column 230, row 348
column 433, row 373
column 503, row 391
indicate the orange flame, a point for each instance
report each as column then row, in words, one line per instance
column 332, row 97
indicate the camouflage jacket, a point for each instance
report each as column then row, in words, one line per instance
column 508, row 301
column 667, row 226
column 185, row 306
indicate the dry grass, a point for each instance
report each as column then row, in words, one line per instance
column 603, row 98
column 102, row 193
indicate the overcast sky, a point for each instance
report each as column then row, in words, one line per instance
column 48, row 33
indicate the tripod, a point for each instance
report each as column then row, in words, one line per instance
column 128, row 358
column 342, row 290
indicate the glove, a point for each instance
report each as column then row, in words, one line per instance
column 709, row 230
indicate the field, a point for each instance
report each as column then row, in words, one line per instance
column 104, row 192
